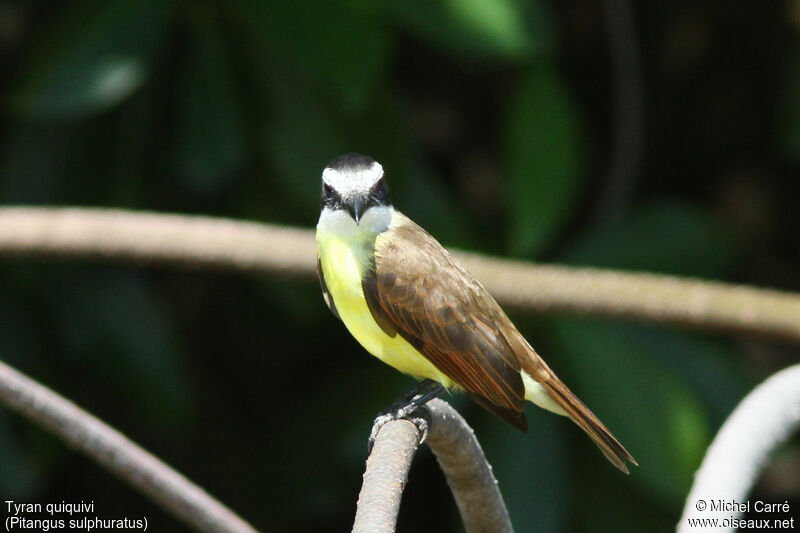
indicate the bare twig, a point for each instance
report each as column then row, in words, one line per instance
column 118, row 454
column 247, row 246
column 764, row 420
column 468, row 474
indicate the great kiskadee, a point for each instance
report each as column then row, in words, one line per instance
column 413, row 306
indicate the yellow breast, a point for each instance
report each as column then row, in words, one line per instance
column 343, row 262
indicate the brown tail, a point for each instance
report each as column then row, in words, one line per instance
column 536, row 368
column 588, row 422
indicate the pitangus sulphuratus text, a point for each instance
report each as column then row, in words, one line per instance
column 413, row 306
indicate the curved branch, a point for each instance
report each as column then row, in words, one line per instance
column 468, row 473
column 764, row 420
column 116, row 453
column 253, row 247
column 462, row 460
column 385, row 477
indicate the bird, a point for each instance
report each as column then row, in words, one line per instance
column 411, row 304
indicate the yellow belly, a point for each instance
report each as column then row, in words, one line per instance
column 342, row 264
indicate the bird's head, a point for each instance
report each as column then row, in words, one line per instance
column 353, row 183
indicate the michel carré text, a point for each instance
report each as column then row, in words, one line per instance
column 730, row 506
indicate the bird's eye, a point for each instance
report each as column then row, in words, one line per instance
column 330, row 197
column 380, row 193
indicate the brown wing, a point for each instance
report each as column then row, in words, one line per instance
column 419, row 291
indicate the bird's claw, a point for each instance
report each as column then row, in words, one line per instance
column 420, row 416
column 411, row 407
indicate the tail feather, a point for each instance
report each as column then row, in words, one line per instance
column 535, row 367
column 589, row 423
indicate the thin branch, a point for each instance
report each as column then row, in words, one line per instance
column 764, row 420
column 462, row 460
column 156, row 238
column 116, row 453
column 253, row 247
column 705, row 305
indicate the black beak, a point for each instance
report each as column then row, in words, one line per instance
column 356, row 208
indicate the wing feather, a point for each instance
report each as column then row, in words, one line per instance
column 418, row 290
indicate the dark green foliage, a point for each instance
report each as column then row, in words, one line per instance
column 544, row 159
column 494, row 122
column 93, row 57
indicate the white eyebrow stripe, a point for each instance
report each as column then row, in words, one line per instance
column 348, row 182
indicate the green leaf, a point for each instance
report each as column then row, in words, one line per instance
column 340, row 45
column 543, row 159
column 665, row 237
column 211, row 125
column 505, row 29
column 97, row 54
column 651, row 410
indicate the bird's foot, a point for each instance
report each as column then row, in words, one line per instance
column 420, row 417
column 411, row 407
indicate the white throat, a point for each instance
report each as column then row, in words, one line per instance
column 339, row 222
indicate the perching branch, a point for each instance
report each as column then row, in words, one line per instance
column 764, row 420
column 385, row 477
column 114, row 452
column 253, row 247
column 468, row 473
column 462, row 460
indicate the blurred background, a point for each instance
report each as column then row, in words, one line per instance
column 647, row 136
